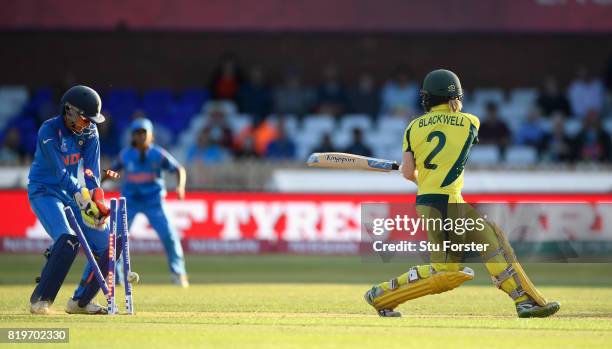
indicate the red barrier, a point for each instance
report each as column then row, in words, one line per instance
column 252, row 222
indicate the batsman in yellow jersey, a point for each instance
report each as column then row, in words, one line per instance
column 436, row 147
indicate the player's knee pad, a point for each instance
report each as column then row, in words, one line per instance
column 507, row 273
column 417, row 282
column 59, row 261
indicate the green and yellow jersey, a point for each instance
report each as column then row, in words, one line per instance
column 441, row 141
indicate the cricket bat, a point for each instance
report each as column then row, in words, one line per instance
column 350, row 161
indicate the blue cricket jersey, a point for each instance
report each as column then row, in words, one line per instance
column 57, row 157
column 143, row 175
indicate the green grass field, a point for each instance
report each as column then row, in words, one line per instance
column 315, row 302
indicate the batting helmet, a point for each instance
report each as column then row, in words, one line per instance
column 439, row 86
column 86, row 100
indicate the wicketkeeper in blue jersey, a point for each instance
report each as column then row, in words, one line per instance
column 63, row 142
column 143, row 165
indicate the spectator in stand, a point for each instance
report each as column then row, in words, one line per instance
column 365, row 97
column 400, row 96
column 531, row 132
column 262, row 133
column 552, row 99
column 226, row 79
column 357, row 146
column 247, row 149
column 292, row 97
column 12, row 152
column 331, row 98
column 592, row 142
column 558, row 146
column 282, row 148
column 255, row 97
column 585, row 93
column 207, row 151
column 325, row 146
column 493, row 130
column 218, row 128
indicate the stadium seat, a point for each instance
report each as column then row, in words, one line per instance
column 194, row 96
column 178, row 117
column 526, row 96
column 484, row 155
column 189, row 135
column 350, row 121
column 607, row 125
column 122, row 103
column 392, row 127
column 238, row 122
column 484, row 95
column 385, row 147
column 38, row 98
column 12, row 101
column 229, row 107
column 305, row 143
column 475, row 109
column 158, row 104
column 14, row 94
column 513, row 119
column 291, row 123
column 547, row 125
column 318, row 124
column 572, row 127
column 521, row 155
column 342, row 138
column 513, row 112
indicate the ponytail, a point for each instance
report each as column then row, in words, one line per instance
column 455, row 105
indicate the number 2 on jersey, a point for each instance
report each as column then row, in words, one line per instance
column 441, row 142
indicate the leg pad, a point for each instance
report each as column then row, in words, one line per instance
column 513, row 271
column 59, row 261
column 436, row 283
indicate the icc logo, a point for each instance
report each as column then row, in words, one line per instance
column 452, row 88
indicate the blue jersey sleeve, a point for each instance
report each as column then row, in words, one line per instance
column 91, row 161
column 49, row 145
column 169, row 163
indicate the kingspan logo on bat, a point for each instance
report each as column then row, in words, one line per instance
column 339, row 159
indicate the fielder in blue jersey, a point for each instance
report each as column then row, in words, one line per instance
column 143, row 165
column 63, row 142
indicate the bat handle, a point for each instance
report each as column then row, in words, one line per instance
column 395, row 166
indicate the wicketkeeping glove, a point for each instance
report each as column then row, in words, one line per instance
column 89, row 210
column 98, row 198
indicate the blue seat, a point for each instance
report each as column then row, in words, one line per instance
column 157, row 104
column 122, row 103
column 194, row 97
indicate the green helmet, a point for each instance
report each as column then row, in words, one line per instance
column 439, row 86
column 443, row 83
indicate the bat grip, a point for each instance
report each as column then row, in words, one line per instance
column 395, row 166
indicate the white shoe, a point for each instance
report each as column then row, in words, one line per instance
column 40, row 308
column 180, row 280
column 90, row 309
